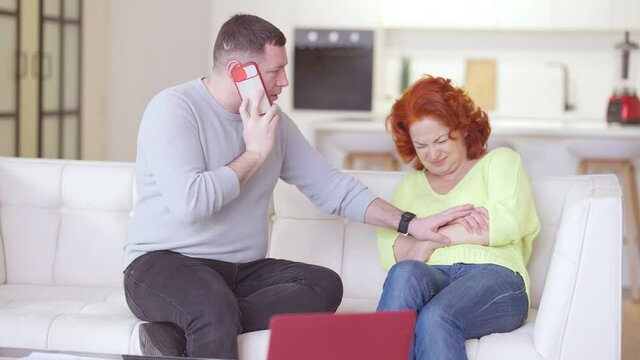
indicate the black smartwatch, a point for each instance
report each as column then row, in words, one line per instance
column 403, row 226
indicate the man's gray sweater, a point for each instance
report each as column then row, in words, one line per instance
column 189, row 201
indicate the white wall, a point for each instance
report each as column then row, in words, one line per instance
column 94, row 79
column 148, row 45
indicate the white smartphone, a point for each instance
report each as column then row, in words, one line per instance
column 249, row 82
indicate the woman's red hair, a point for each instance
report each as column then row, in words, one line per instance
column 436, row 97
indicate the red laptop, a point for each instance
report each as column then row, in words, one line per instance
column 371, row 336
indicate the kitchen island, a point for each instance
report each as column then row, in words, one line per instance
column 542, row 143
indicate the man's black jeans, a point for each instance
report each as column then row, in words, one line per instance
column 214, row 301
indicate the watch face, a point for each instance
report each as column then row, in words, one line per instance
column 408, row 216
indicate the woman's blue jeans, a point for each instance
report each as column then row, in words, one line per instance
column 454, row 303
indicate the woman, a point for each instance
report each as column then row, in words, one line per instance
column 478, row 283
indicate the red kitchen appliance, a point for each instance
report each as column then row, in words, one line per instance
column 624, row 104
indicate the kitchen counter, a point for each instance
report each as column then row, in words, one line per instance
column 542, row 143
column 581, row 129
column 502, row 128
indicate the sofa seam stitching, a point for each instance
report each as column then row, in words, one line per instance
column 55, row 256
column 573, row 292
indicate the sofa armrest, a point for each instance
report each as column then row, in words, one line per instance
column 579, row 313
column 3, row 276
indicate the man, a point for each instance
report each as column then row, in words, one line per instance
column 206, row 167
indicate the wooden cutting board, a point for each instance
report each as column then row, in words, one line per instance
column 480, row 81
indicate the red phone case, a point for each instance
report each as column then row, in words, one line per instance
column 248, row 82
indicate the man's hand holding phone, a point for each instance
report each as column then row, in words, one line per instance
column 259, row 130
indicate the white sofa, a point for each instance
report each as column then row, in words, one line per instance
column 63, row 226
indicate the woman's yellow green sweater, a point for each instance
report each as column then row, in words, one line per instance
column 498, row 182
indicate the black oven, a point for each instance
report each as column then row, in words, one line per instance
column 333, row 69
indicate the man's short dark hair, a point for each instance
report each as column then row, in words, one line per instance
column 243, row 36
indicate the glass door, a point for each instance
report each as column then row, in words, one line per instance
column 60, row 69
column 29, row 80
column 9, row 76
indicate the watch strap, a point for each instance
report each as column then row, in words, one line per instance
column 405, row 219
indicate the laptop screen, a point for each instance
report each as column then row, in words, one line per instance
column 372, row 336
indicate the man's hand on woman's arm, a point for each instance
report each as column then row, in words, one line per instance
column 470, row 229
column 381, row 213
column 427, row 228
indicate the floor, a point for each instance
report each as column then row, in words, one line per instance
column 630, row 328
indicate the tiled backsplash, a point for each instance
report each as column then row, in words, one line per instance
column 528, row 85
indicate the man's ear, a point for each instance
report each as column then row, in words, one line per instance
column 232, row 64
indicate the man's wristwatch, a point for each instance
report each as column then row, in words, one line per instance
column 403, row 226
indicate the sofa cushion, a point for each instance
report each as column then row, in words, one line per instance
column 254, row 345
column 52, row 211
column 360, row 257
column 90, row 239
column 357, row 305
column 66, row 319
column 300, row 241
column 109, row 333
column 517, row 344
column 31, row 238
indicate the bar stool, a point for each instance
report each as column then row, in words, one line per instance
column 365, row 150
column 616, row 156
column 388, row 160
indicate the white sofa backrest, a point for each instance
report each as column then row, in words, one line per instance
column 3, row 276
column 64, row 222
column 298, row 235
column 350, row 248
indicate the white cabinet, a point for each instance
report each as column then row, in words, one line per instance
column 584, row 15
column 451, row 14
column 467, row 14
column 625, row 15
column 338, row 13
column 523, row 14
column 581, row 14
